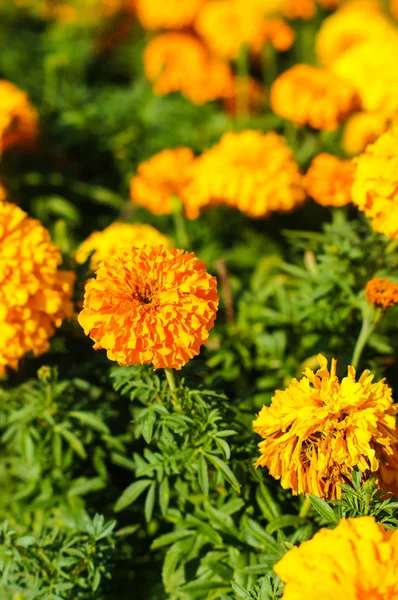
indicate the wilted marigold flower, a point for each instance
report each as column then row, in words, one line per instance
column 177, row 62
column 34, row 295
column 251, row 171
column 361, row 129
column 172, row 14
column 163, row 176
column 311, row 96
column 382, row 292
column 102, row 245
column 150, row 305
column 356, row 560
column 329, row 180
column 375, row 189
column 18, row 119
column 319, row 429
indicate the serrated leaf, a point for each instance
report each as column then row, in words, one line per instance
column 323, row 509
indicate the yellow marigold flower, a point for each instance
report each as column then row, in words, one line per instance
column 251, row 171
column 18, row 119
column 34, row 295
column 361, row 129
column 163, row 176
column 375, row 189
column 329, row 180
column 311, row 96
column 356, row 561
column 173, row 14
column 382, row 292
column 318, row 429
column 177, row 62
column 150, row 305
column 102, row 245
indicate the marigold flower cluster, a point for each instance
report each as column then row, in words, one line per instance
column 102, row 245
column 317, row 430
column 150, row 305
column 329, row 180
column 312, row 96
column 356, row 560
column 375, row 189
column 18, row 119
column 382, row 292
column 34, row 294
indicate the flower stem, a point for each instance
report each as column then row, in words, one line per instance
column 242, row 82
column 172, row 383
column 369, row 322
column 179, row 222
column 305, row 507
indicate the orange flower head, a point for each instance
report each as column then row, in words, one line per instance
column 330, row 4
column 319, row 429
column 356, row 560
column 299, row 9
column 251, row 171
column 163, row 176
column 18, row 119
column 394, row 8
column 34, row 295
column 382, row 292
column 279, row 34
column 150, row 305
column 362, row 129
column 173, row 14
column 375, row 189
column 388, row 480
column 177, row 62
column 102, row 245
column 329, row 180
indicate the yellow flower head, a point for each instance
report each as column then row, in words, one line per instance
column 362, row 129
column 102, row 245
column 375, row 189
column 317, row 430
column 329, row 180
column 18, row 119
column 150, row 305
column 34, row 295
column 251, row 171
column 179, row 62
column 311, row 96
column 356, row 561
column 163, row 176
column 382, row 292
column 172, row 14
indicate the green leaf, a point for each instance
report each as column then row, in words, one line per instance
column 284, row 521
column 90, row 419
column 73, row 441
column 323, row 509
column 131, row 493
column 83, row 486
column 220, row 465
column 164, row 496
column 150, row 502
column 147, row 423
column 242, row 593
column 170, row 538
column 203, row 475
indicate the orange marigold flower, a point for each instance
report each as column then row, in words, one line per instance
column 394, row 8
column 329, row 180
column 177, row 62
column 311, row 96
column 356, row 560
column 34, row 295
column 279, row 34
column 382, row 292
column 173, row 14
column 18, row 119
column 251, row 171
column 375, row 189
column 163, row 176
column 319, row 429
column 330, row 4
column 150, row 305
column 102, row 245
column 299, row 9
column 388, row 480
column 361, row 129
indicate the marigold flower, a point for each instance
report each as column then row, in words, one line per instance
column 173, row 14
column 382, row 292
column 329, row 4
column 251, row 171
column 388, row 480
column 356, row 560
column 150, row 305
column 311, row 96
column 319, row 429
column 163, row 176
column 299, row 9
column 329, row 180
column 361, row 129
column 102, row 245
column 177, row 62
column 34, row 295
column 375, row 189
column 18, row 119
column 394, row 8
column 279, row 34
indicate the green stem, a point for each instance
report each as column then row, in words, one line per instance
column 179, row 222
column 305, row 507
column 172, row 383
column 269, row 65
column 242, row 82
column 369, row 323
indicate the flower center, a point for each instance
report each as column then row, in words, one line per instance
column 142, row 295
